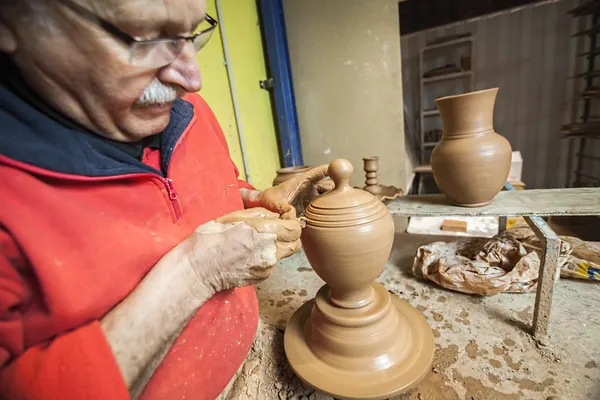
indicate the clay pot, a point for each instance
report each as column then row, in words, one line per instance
column 283, row 174
column 354, row 340
column 471, row 163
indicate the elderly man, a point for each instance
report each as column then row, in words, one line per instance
column 128, row 246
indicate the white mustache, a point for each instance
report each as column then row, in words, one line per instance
column 157, row 93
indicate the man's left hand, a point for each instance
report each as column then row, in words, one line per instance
column 282, row 198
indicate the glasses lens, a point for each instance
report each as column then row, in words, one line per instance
column 155, row 54
column 201, row 40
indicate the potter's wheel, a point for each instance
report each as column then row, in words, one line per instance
column 348, row 384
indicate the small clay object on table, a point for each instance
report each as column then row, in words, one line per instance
column 371, row 167
column 354, row 340
column 471, row 163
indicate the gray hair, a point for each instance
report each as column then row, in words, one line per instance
column 28, row 11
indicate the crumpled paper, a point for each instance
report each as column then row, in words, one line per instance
column 508, row 262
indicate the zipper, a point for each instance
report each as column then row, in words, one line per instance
column 173, row 197
column 166, row 181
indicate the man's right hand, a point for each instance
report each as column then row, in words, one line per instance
column 240, row 248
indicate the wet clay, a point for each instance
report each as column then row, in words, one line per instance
column 303, row 198
column 471, row 163
column 354, row 340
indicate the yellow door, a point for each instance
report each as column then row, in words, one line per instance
column 251, row 136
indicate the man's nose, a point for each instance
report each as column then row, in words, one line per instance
column 184, row 71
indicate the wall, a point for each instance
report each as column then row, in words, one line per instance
column 242, row 30
column 346, row 69
column 528, row 54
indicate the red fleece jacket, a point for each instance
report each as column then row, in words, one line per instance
column 72, row 247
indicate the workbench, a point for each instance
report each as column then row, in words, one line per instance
column 532, row 205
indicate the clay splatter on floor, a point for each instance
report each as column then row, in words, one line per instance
column 509, row 342
column 303, row 293
column 421, row 308
column 464, row 314
column 437, row 316
column 304, row 269
column 495, row 363
column 283, row 302
column 477, row 390
column 513, row 365
column 528, row 384
column 500, row 351
column 287, row 292
column 591, row 364
column 445, row 357
column 411, row 288
column 448, row 325
column 442, row 299
column 472, row 349
column 432, row 387
column 436, row 333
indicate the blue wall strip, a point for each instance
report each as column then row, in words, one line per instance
column 283, row 88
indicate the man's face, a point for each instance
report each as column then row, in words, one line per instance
column 84, row 71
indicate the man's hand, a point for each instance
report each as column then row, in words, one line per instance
column 237, row 249
column 241, row 248
column 282, row 198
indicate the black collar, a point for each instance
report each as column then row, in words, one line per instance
column 33, row 133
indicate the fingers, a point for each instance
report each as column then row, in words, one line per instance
column 250, row 213
column 286, row 249
column 288, row 212
column 325, row 186
column 316, row 174
column 286, row 230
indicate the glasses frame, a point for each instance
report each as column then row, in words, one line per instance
column 130, row 40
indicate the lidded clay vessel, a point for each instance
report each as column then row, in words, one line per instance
column 471, row 163
column 354, row 340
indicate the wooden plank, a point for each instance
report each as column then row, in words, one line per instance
column 548, row 274
column 576, row 201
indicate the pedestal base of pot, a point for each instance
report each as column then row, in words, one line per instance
column 334, row 357
column 483, row 203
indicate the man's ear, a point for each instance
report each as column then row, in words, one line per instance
column 8, row 39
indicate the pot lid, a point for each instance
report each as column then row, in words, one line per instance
column 344, row 205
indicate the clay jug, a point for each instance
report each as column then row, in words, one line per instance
column 354, row 340
column 471, row 163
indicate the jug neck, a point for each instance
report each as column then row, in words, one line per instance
column 468, row 114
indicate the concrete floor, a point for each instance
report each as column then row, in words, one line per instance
column 484, row 350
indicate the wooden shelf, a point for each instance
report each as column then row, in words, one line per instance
column 431, row 113
column 446, row 77
column 449, row 43
column 578, row 201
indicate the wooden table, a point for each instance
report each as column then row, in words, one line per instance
column 532, row 205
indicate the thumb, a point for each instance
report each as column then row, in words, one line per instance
column 316, row 174
column 249, row 213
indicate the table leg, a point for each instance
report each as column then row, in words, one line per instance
column 547, row 276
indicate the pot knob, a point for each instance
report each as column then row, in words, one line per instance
column 340, row 171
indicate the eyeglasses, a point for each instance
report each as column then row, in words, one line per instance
column 148, row 53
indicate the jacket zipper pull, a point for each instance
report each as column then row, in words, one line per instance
column 173, row 196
